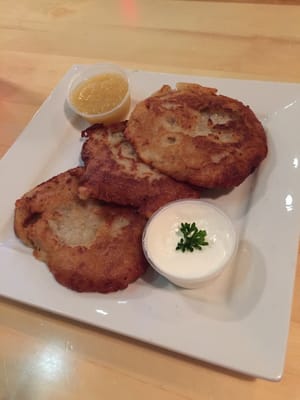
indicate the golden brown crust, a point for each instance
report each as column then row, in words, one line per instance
column 197, row 136
column 114, row 173
column 89, row 246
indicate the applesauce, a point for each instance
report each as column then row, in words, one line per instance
column 100, row 93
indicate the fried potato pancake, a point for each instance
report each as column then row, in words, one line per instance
column 195, row 135
column 114, row 173
column 89, row 246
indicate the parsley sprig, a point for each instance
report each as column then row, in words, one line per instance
column 193, row 238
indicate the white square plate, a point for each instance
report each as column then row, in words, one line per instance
column 239, row 321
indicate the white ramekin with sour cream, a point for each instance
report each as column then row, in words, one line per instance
column 189, row 269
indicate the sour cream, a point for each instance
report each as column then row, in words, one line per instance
column 189, row 269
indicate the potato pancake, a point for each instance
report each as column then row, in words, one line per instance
column 114, row 173
column 89, row 246
column 195, row 135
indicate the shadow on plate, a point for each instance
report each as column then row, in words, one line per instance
column 153, row 278
column 230, row 296
column 234, row 294
column 75, row 120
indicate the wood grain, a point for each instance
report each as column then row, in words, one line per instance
column 46, row 357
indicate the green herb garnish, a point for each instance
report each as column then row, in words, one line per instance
column 193, row 238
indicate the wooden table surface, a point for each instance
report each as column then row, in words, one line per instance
column 39, row 41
